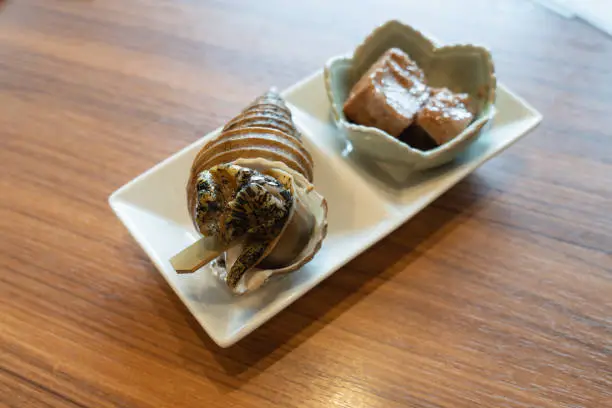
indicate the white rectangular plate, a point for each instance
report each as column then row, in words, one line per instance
column 363, row 208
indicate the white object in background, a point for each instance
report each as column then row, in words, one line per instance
column 598, row 13
column 362, row 209
column 559, row 6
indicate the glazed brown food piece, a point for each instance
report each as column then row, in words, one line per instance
column 445, row 115
column 389, row 95
column 417, row 138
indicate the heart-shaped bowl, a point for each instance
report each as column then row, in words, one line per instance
column 461, row 68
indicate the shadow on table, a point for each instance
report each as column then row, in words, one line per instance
column 330, row 299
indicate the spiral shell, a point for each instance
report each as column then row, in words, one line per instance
column 251, row 187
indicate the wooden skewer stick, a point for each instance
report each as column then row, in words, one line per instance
column 198, row 254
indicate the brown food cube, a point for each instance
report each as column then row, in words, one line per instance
column 418, row 138
column 389, row 95
column 445, row 115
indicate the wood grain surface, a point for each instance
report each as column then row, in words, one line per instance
column 497, row 295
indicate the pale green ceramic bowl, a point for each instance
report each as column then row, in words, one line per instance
column 461, row 68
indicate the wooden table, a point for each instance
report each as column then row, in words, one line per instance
column 497, row 295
